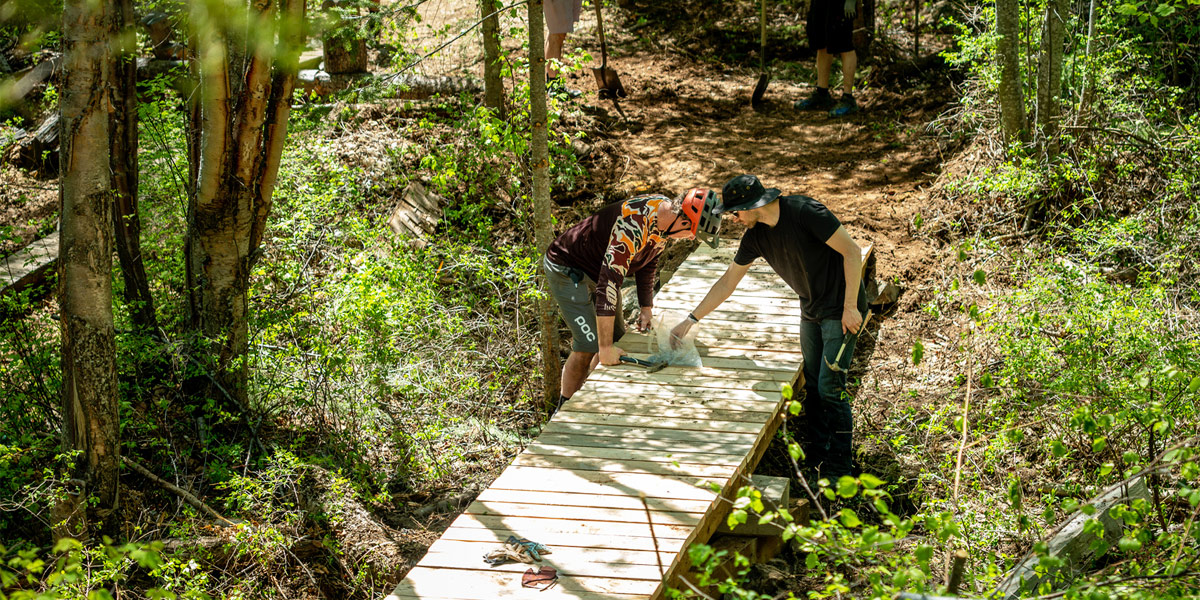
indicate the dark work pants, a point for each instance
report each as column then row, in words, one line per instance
column 826, row 404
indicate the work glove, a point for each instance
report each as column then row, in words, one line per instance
column 850, row 8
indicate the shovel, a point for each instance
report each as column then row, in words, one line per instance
column 763, row 77
column 606, row 78
column 651, row 367
column 834, row 366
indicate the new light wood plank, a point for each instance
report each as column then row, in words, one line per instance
column 594, row 500
column 574, row 439
column 598, row 482
column 534, row 528
column 568, row 565
column 695, row 377
column 449, row 584
column 681, row 456
column 642, row 432
column 583, row 513
column 673, row 394
column 696, row 423
column 594, row 404
column 566, row 556
column 623, row 466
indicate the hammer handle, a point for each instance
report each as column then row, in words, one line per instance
column 838, row 359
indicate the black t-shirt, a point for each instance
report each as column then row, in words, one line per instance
column 795, row 247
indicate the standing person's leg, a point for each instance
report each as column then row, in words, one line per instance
column 554, row 46
column 849, row 64
column 841, row 42
column 831, row 388
column 817, row 28
column 574, row 297
column 561, row 16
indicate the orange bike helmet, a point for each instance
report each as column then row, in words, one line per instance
column 698, row 207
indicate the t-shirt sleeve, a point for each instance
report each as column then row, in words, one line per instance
column 747, row 251
column 817, row 218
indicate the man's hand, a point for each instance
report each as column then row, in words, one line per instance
column 851, row 319
column 679, row 331
column 850, row 8
column 644, row 318
column 611, row 355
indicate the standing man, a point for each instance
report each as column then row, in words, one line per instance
column 830, row 31
column 561, row 16
column 808, row 247
column 586, row 265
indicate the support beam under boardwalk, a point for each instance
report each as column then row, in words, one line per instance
column 631, row 470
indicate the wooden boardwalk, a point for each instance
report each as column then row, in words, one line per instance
column 622, row 479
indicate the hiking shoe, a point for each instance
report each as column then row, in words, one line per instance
column 845, row 106
column 558, row 87
column 819, row 100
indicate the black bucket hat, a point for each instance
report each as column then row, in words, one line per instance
column 744, row 192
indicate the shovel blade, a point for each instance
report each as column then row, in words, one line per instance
column 609, row 83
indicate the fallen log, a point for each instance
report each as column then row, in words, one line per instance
column 37, row 151
column 16, row 92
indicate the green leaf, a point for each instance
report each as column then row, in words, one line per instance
column 786, row 390
column 1058, row 449
column 924, row 552
column 794, row 408
column 849, row 519
column 796, row 452
column 918, row 352
column 870, row 481
column 811, row 561
column 1194, row 385
column 1099, row 444
column 980, row 276
column 847, row 487
column 1129, row 544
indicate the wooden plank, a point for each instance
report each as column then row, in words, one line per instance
column 535, row 528
column 594, row 500
column 610, row 399
column 622, row 466
column 678, row 395
column 583, row 513
column 598, row 482
column 568, row 563
column 592, row 404
column 644, row 432
column 600, row 441
column 694, row 377
column 30, row 265
column 667, row 546
column 455, row 584
column 690, row 423
column 683, row 457
column 560, row 555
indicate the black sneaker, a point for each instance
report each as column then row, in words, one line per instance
column 845, row 106
column 558, row 87
column 819, row 100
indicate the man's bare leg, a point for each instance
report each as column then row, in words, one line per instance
column 554, row 48
column 824, row 66
column 575, row 372
column 849, row 63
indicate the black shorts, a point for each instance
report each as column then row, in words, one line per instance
column 828, row 28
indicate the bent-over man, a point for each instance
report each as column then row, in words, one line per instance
column 811, row 251
column 586, row 265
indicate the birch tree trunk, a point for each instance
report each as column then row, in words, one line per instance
column 1050, row 75
column 543, row 226
column 245, row 90
column 1011, row 96
column 90, row 420
column 493, row 94
column 126, row 222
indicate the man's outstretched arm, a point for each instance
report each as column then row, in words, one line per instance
column 717, row 294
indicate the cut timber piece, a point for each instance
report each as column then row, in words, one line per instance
column 594, row 500
column 694, row 377
column 454, row 584
column 543, row 449
column 417, row 214
column 775, row 495
column 567, row 562
column 29, row 266
column 15, row 94
column 625, row 466
column 37, row 151
column 560, row 555
column 610, row 410
column 583, row 513
column 598, row 482
column 535, row 528
column 667, row 547
column 699, row 423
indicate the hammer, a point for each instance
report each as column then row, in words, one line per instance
column 834, row 367
column 651, row 367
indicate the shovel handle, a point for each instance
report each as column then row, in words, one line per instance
column 762, row 36
column 600, row 28
column 838, row 358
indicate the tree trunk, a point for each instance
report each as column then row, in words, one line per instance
column 90, row 421
column 493, row 96
column 345, row 51
column 543, row 226
column 242, row 116
column 1089, row 76
column 126, row 222
column 1050, row 75
column 1011, row 96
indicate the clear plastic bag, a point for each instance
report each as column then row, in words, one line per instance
column 683, row 353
